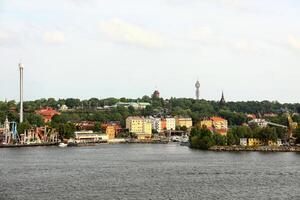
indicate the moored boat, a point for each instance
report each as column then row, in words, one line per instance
column 62, row 144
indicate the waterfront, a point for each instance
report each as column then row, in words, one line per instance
column 146, row 171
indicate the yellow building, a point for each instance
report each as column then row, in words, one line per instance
column 111, row 132
column 140, row 126
column 207, row 123
column 147, row 127
column 219, row 123
column 135, row 124
column 184, row 121
column 216, row 124
column 254, row 142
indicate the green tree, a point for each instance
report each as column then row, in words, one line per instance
column 201, row 138
column 297, row 135
column 232, row 138
column 72, row 103
column 22, row 127
column 97, row 127
column 34, row 119
column 66, row 130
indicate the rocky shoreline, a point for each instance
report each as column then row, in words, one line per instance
column 258, row 148
column 28, row 145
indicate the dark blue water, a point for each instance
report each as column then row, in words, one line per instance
column 145, row 171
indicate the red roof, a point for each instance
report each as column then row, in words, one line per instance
column 217, row 119
column 47, row 113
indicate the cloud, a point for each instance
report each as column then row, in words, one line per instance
column 231, row 2
column 54, row 37
column 245, row 46
column 206, row 36
column 124, row 32
column 202, row 33
column 5, row 37
column 294, row 42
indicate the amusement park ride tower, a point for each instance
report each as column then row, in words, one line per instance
column 21, row 91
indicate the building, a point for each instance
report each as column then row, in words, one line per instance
column 64, row 108
column 243, row 141
column 251, row 142
column 141, row 126
column 170, row 123
column 197, row 85
column 183, row 121
column 216, row 124
column 156, row 124
column 270, row 115
column 163, row 124
column 47, row 114
column 112, row 128
column 156, row 94
column 110, row 132
column 135, row 105
column 251, row 116
column 85, row 125
column 254, row 142
column 219, row 123
column 89, row 136
column 262, row 123
column 206, row 123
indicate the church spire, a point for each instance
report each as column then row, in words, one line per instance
column 222, row 101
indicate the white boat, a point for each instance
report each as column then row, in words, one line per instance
column 175, row 139
column 62, row 144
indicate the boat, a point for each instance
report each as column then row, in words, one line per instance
column 62, row 144
column 175, row 139
column 185, row 141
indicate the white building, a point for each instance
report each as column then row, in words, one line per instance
column 156, row 124
column 279, row 142
column 89, row 136
column 259, row 122
column 63, row 108
column 135, row 105
column 243, row 141
column 170, row 123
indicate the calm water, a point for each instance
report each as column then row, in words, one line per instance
column 143, row 171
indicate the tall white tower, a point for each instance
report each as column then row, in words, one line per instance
column 197, row 85
column 21, row 92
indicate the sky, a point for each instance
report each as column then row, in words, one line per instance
column 250, row 49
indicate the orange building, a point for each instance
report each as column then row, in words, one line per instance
column 47, row 114
column 163, row 124
column 111, row 129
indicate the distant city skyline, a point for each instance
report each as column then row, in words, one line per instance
column 84, row 49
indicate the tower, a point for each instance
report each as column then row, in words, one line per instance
column 21, row 92
column 7, row 131
column 222, row 101
column 197, row 85
column 156, row 94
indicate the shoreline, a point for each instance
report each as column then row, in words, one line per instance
column 214, row 148
column 257, row 148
